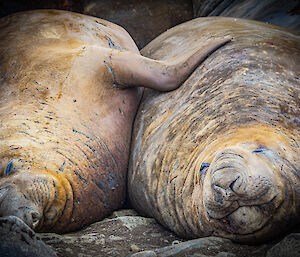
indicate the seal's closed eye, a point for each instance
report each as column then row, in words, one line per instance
column 204, row 167
column 9, row 168
column 260, row 150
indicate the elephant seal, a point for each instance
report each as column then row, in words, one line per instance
column 69, row 91
column 220, row 155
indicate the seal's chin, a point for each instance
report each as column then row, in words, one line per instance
column 247, row 219
column 242, row 192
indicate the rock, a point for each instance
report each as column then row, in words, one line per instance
column 123, row 212
column 125, row 233
column 145, row 254
column 205, row 247
column 134, row 248
column 224, row 254
column 18, row 240
column 288, row 247
column 115, row 236
column 202, row 245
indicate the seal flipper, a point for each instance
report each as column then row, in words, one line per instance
column 133, row 70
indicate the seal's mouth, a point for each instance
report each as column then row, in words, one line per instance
column 247, row 219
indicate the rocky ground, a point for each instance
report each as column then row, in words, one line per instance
column 127, row 234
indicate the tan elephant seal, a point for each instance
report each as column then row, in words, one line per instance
column 220, row 155
column 65, row 125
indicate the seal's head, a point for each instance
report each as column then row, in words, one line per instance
column 249, row 191
column 28, row 196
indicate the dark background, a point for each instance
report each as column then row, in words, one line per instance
column 146, row 19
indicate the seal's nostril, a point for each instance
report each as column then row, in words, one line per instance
column 35, row 219
column 231, row 186
column 218, row 189
column 35, row 216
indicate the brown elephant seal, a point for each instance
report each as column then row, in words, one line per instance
column 220, row 155
column 69, row 91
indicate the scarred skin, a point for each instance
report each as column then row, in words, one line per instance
column 220, row 154
column 69, row 91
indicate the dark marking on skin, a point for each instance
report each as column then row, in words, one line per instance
column 121, row 111
column 35, row 82
column 74, row 100
column 55, row 191
column 110, row 70
column 65, row 157
column 49, row 132
column 260, row 150
column 100, row 23
column 62, row 167
column 81, row 133
column 80, row 177
column 110, row 42
column 9, row 167
column 24, row 208
column 112, row 181
column 204, row 167
column 269, row 43
column 85, row 155
column 33, row 138
column 47, row 117
column 44, row 103
column 101, row 185
column 15, row 147
column 113, row 45
column 105, row 147
column 91, row 148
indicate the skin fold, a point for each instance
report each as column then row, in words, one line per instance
column 220, row 154
column 69, row 91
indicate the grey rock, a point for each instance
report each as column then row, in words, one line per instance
column 127, row 234
column 122, row 234
column 224, row 254
column 192, row 246
column 122, row 213
column 202, row 247
column 288, row 247
column 144, row 254
column 18, row 240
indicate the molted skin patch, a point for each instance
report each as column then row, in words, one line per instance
column 220, row 155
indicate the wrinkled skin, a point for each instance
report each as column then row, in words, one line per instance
column 220, row 154
column 69, row 91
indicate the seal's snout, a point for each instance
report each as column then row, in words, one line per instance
column 241, row 189
column 15, row 203
column 18, row 197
